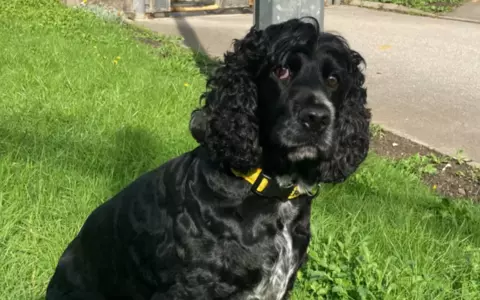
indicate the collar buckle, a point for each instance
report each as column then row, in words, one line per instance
column 265, row 186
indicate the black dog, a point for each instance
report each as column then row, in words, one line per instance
column 231, row 219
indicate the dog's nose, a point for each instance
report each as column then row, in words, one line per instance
column 316, row 119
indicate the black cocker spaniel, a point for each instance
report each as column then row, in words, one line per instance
column 285, row 112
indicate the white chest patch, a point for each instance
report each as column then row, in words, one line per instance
column 278, row 274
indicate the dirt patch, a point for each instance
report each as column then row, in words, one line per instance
column 449, row 176
column 151, row 42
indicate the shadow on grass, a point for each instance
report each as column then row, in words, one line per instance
column 205, row 63
column 120, row 156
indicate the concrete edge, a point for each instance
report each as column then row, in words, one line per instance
column 426, row 145
column 405, row 10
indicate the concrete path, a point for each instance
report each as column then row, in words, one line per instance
column 423, row 74
column 469, row 10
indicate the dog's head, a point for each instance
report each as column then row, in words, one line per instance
column 289, row 99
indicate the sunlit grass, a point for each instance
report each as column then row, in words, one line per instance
column 85, row 108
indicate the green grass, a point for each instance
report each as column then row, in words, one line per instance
column 435, row 6
column 75, row 128
column 384, row 234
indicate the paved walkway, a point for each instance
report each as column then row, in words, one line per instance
column 469, row 10
column 423, row 74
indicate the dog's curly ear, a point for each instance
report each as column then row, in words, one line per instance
column 352, row 134
column 227, row 125
column 198, row 125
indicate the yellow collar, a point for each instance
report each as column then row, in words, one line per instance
column 266, row 186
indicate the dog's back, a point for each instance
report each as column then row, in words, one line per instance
column 127, row 243
column 185, row 231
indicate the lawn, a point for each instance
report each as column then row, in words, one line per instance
column 85, row 107
column 434, row 6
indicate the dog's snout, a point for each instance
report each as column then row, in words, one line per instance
column 316, row 119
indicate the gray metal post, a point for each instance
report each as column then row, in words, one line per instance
column 139, row 8
column 269, row 12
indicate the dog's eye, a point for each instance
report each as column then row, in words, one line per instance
column 332, row 81
column 282, row 73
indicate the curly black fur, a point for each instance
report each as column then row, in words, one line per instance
column 232, row 132
column 232, row 113
column 351, row 126
column 288, row 99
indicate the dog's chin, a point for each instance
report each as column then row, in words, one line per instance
column 301, row 145
column 303, row 153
